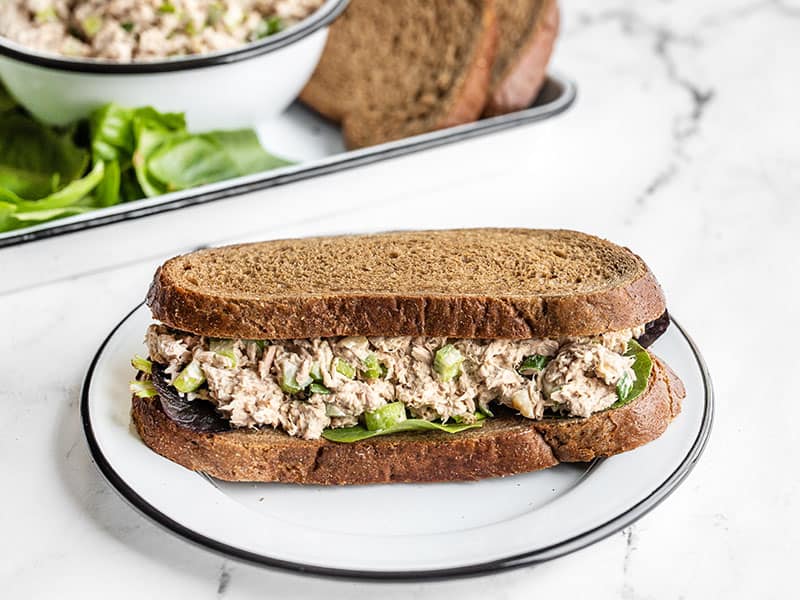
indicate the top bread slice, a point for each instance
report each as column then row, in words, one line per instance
column 527, row 34
column 470, row 283
column 395, row 69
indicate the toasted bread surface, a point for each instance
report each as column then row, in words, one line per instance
column 527, row 34
column 474, row 283
column 503, row 446
column 396, row 69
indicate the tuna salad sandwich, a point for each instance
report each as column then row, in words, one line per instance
column 403, row 357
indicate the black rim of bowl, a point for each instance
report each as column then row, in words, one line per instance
column 322, row 17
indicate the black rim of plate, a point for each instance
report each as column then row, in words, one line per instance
column 532, row 557
column 322, row 17
column 565, row 95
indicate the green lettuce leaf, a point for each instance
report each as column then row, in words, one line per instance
column 183, row 161
column 18, row 220
column 186, row 161
column 149, row 136
column 134, row 153
column 107, row 191
column 6, row 211
column 168, row 121
column 357, row 433
column 70, row 195
column 35, row 160
column 111, row 133
column 243, row 147
column 129, row 188
column 628, row 390
column 7, row 103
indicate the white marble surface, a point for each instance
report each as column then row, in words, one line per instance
column 683, row 145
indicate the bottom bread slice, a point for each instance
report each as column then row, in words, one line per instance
column 503, row 446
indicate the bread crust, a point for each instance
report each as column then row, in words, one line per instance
column 503, row 446
column 519, row 85
column 635, row 301
column 471, row 98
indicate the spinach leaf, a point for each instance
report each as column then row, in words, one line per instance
column 134, row 153
column 169, row 121
column 533, row 363
column 185, row 161
column 6, row 211
column 182, row 160
column 7, row 103
column 357, row 433
column 17, row 220
column 149, row 136
column 628, row 390
column 126, row 136
column 107, row 191
column 67, row 196
column 111, row 132
column 243, row 147
column 35, row 160
column 129, row 188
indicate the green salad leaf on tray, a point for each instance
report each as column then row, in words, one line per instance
column 116, row 155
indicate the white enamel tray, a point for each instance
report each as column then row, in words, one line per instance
column 397, row 531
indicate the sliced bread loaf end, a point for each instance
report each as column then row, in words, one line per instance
column 388, row 70
column 528, row 31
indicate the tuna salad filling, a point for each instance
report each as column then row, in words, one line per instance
column 309, row 387
column 142, row 30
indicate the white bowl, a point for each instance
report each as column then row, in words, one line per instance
column 220, row 90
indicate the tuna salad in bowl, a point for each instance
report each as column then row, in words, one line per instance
column 224, row 63
column 142, row 30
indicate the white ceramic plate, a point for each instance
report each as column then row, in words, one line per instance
column 398, row 531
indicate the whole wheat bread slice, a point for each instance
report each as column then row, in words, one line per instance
column 396, row 69
column 503, row 446
column 527, row 34
column 473, row 283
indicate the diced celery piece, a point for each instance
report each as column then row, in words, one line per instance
column 372, row 368
column 143, row 389
column 331, row 410
column 385, row 416
column 315, row 372
column 344, row 368
column 91, row 25
column 142, row 364
column 447, row 362
column 190, row 378
column 287, row 379
column 318, row 388
column 225, row 348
